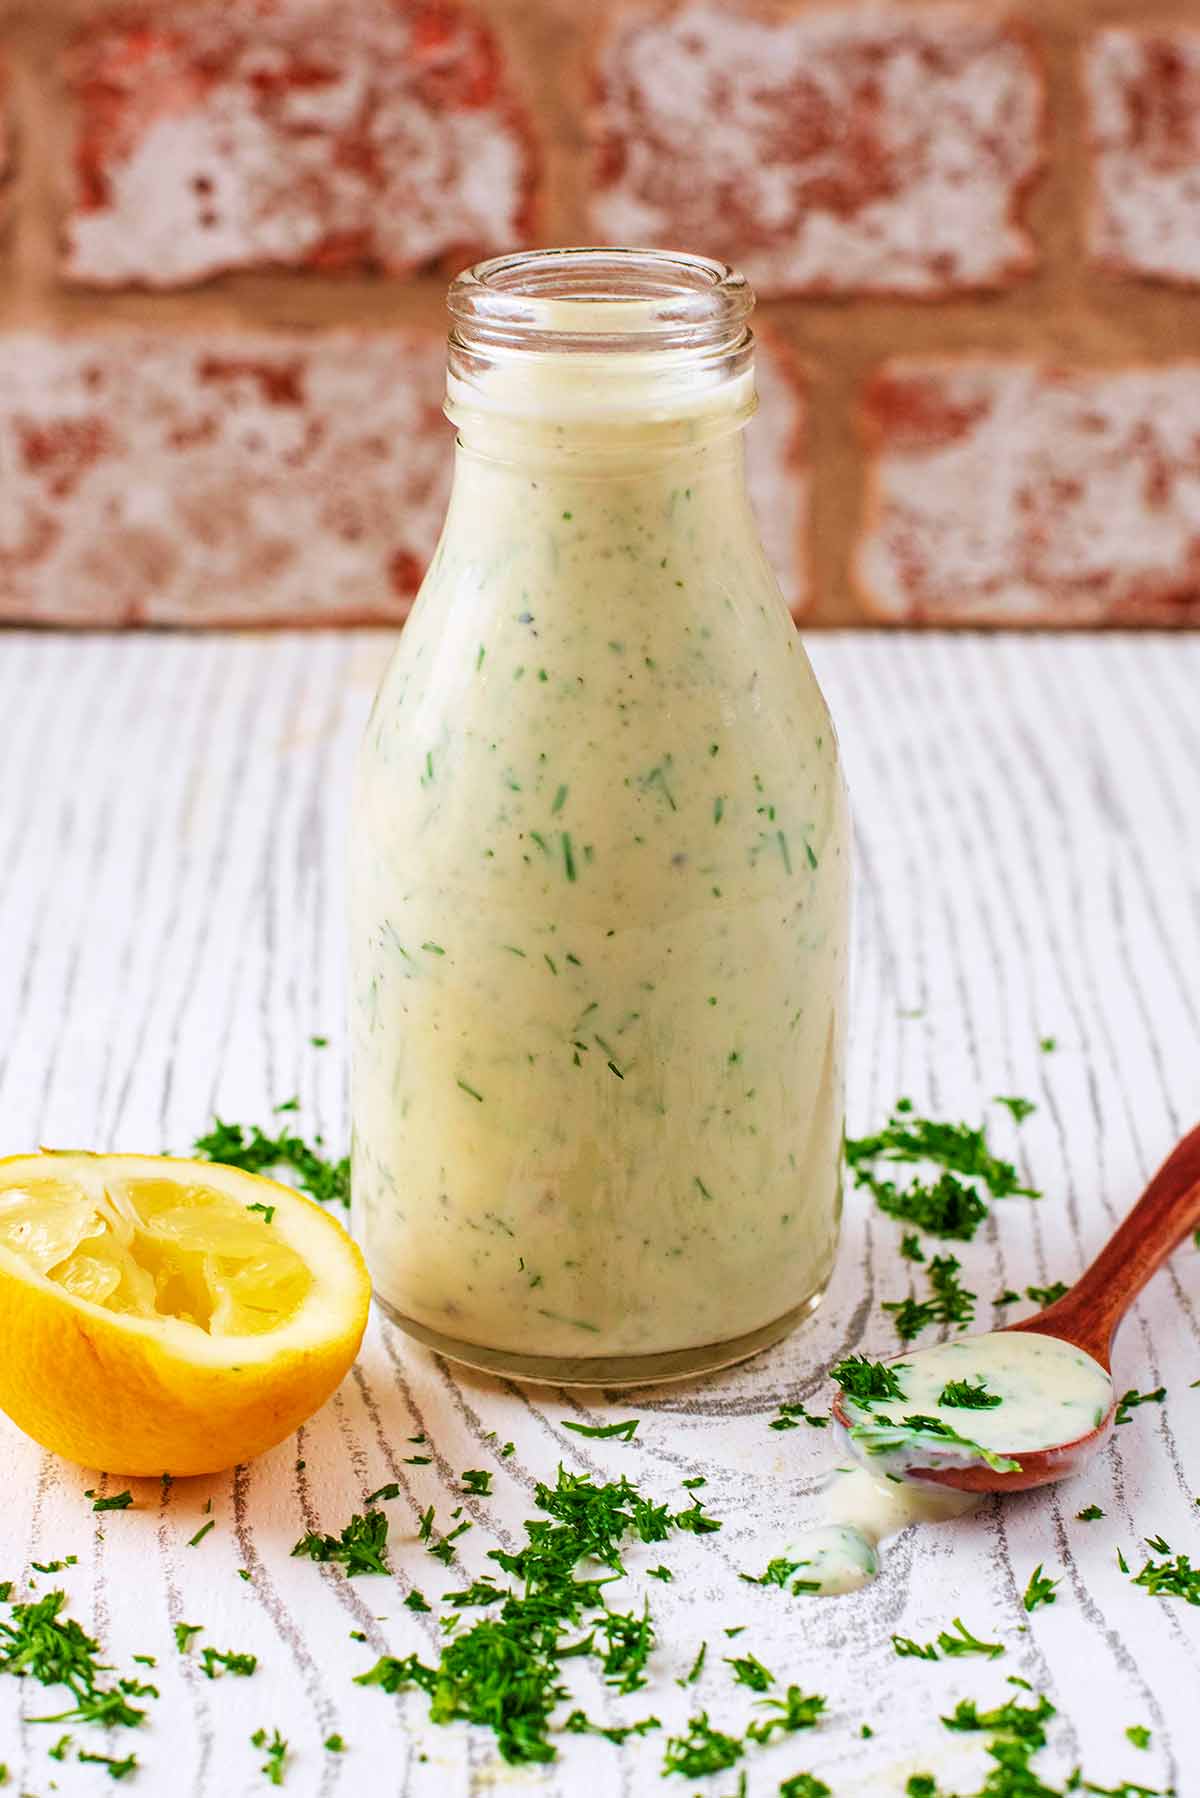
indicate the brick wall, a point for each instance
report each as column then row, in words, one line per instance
column 225, row 228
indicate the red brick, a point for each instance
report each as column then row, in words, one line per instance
column 1143, row 89
column 1020, row 493
column 251, row 134
column 777, row 467
column 877, row 150
column 250, row 479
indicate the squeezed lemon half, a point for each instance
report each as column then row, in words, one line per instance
column 162, row 1316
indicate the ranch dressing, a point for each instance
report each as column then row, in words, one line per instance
column 599, row 864
column 1049, row 1392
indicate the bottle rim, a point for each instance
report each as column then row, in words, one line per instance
column 600, row 300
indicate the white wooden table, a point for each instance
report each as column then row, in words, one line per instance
column 1028, row 814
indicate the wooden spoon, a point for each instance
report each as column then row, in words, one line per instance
column 1089, row 1315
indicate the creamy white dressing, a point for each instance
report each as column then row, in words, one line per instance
column 840, row 1556
column 1049, row 1391
column 599, row 896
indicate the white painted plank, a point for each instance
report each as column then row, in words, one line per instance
column 1028, row 815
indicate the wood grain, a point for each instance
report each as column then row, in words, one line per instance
column 171, row 834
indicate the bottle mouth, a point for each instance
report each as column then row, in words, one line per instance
column 601, row 347
column 600, row 301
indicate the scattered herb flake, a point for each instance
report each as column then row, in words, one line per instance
column 1040, row 1590
column 391, row 1490
column 249, row 1147
column 604, row 1431
column 361, row 1547
column 1020, row 1108
column 119, row 1501
column 749, row 1671
column 1047, row 1295
column 865, row 1381
column 796, row 1710
column 275, row 1749
column 241, row 1664
column 1132, row 1399
column 1171, row 1578
column 963, row 1395
column 960, row 1641
column 701, row 1750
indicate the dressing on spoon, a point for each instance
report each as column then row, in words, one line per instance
column 980, row 1400
column 1050, row 1374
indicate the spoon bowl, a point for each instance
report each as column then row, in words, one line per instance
column 1038, row 1467
column 1088, row 1317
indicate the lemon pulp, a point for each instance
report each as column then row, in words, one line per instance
column 150, row 1248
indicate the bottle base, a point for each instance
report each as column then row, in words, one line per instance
column 607, row 1370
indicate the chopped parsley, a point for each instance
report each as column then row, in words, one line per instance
column 949, row 1302
column 910, row 1249
column 794, row 1711
column 866, row 1381
column 791, row 1416
column 1089, row 1514
column 1020, row 1108
column 478, row 1481
column 184, row 1633
column 1018, row 1733
column 241, row 1664
column 119, row 1501
column 604, row 1432
column 693, row 1672
column 361, row 1547
column 805, row 1785
column 391, row 1490
column 195, row 1541
column 249, row 1147
column 505, row 1670
column 702, row 1749
column 334, row 1744
column 37, row 1640
column 1139, row 1735
column 275, row 1749
column 953, row 1643
column 1025, row 1721
column 1132, row 1399
column 416, row 1601
column 948, row 1207
column 1174, row 1577
column 578, row 1724
column 749, row 1671
column 961, row 1394
column 779, row 1572
column 1048, row 1295
column 1040, row 1590
column 117, row 1769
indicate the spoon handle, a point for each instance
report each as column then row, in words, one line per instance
column 1167, row 1211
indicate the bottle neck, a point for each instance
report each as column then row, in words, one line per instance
column 573, row 416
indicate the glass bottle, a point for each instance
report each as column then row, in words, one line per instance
column 599, row 882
